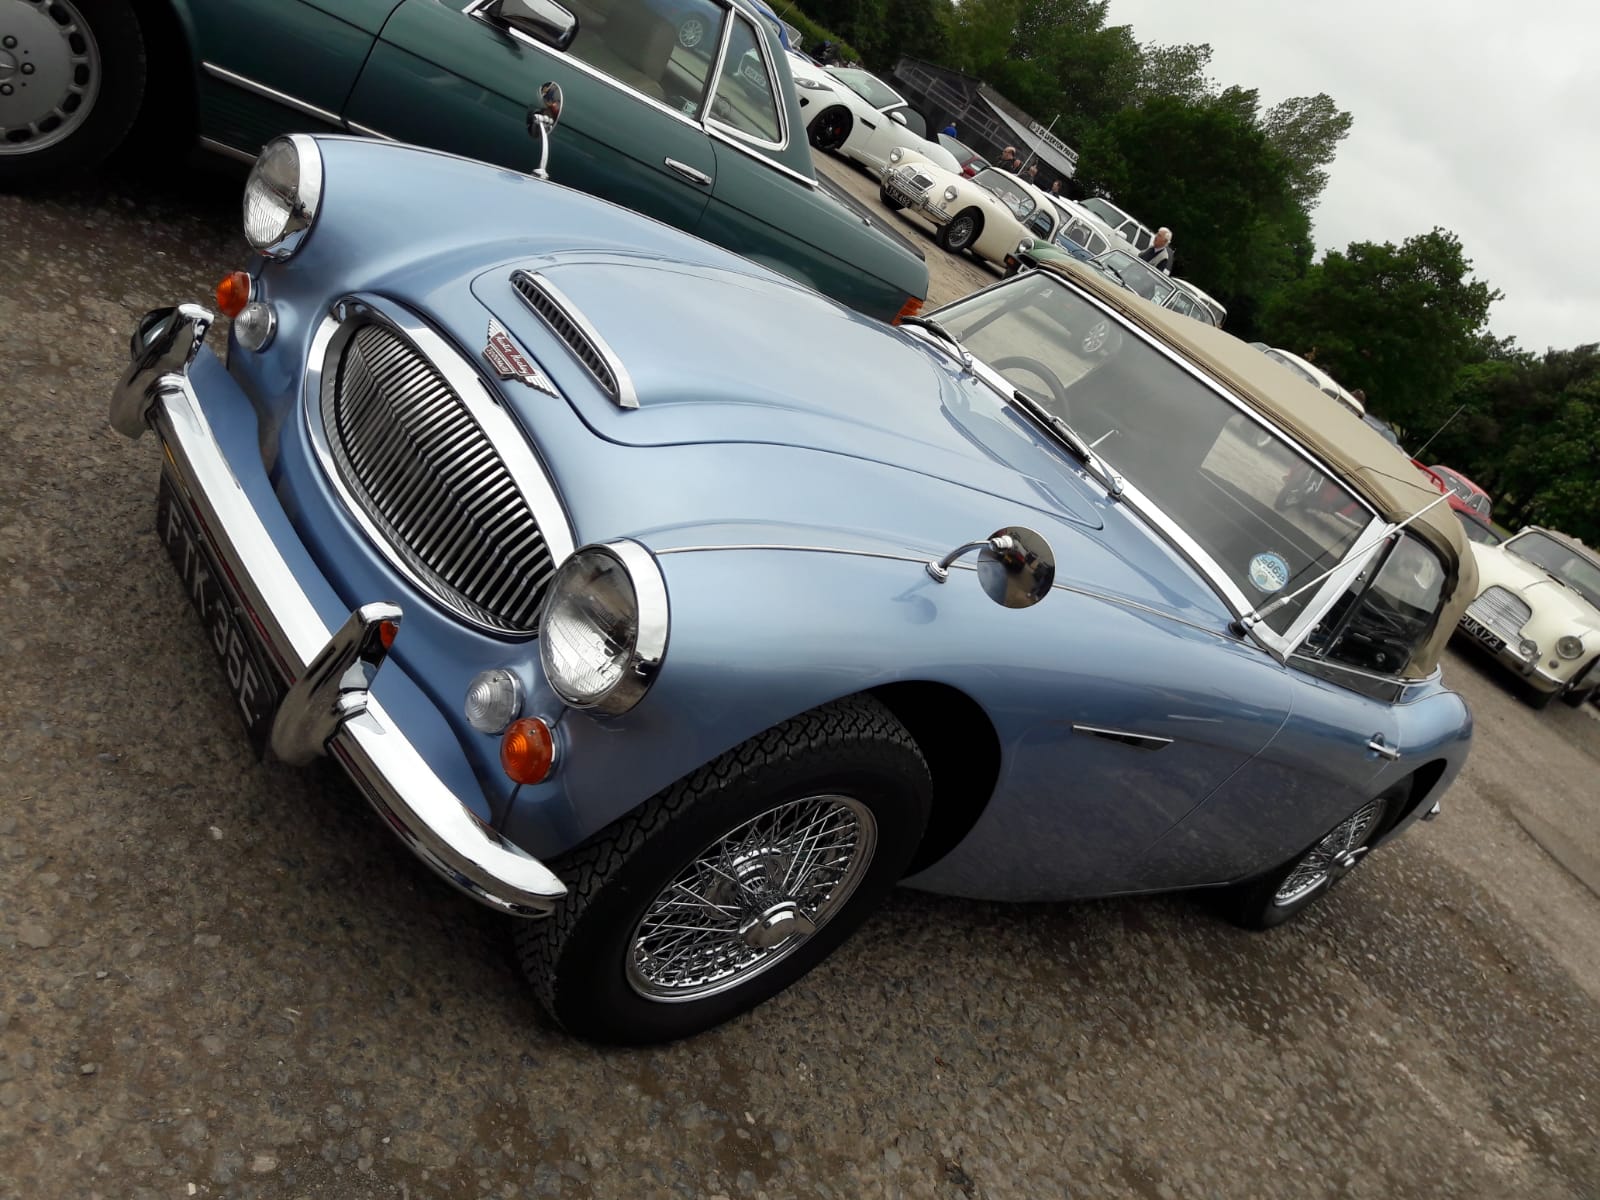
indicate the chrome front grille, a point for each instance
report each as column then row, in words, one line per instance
column 1502, row 611
column 567, row 323
column 429, row 479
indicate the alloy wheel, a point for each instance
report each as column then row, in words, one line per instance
column 49, row 75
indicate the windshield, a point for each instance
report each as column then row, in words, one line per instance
column 1106, row 211
column 869, row 87
column 1269, row 518
column 1138, row 277
column 1476, row 530
column 1572, row 568
column 1008, row 187
column 1283, row 360
column 1383, row 428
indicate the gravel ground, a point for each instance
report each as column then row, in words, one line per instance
column 223, row 979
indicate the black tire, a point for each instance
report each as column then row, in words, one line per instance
column 578, row 959
column 887, row 200
column 1256, row 904
column 1535, row 699
column 960, row 231
column 1577, row 699
column 831, row 128
column 113, row 32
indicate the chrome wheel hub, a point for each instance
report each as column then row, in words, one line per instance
column 1334, row 857
column 751, row 898
column 49, row 75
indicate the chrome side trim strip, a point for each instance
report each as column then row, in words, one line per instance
column 1134, row 741
column 226, row 150
column 368, row 131
column 503, row 433
column 261, row 89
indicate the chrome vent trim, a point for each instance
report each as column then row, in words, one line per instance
column 439, row 477
column 563, row 319
column 1502, row 611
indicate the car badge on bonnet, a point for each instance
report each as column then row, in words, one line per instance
column 509, row 362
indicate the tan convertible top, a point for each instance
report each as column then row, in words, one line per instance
column 1366, row 461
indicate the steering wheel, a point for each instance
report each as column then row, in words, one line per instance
column 1058, row 391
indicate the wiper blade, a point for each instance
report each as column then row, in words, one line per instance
column 944, row 335
column 1073, row 441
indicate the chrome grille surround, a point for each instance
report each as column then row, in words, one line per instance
column 1502, row 611
column 440, row 478
column 563, row 319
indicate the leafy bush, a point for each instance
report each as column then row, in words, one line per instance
column 815, row 34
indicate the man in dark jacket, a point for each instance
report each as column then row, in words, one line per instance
column 1159, row 253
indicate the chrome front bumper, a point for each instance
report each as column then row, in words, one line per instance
column 329, row 707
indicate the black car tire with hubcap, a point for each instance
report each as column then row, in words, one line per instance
column 960, row 231
column 72, row 76
column 731, row 884
column 829, row 131
column 1288, row 890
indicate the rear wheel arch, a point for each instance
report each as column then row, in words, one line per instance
column 962, row 749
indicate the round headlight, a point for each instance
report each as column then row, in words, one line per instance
column 1528, row 648
column 603, row 632
column 1569, row 647
column 896, row 154
column 494, row 700
column 949, row 193
column 1024, row 245
column 282, row 195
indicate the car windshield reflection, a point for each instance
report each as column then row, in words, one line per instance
column 1008, row 188
column 1268, row 517
column 1556, row 560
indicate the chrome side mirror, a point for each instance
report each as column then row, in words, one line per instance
column 1016, row 566
column 543, row 20
column 543, row 116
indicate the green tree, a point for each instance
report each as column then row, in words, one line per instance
column 1307, row 131
column 1178, row 71
column 1207, row 172
column 1399, row 322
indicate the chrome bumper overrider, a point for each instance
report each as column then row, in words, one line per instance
column 329, row 706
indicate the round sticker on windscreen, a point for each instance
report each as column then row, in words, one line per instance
column 1268, row 571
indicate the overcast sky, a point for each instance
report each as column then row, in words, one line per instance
column 1482, row 117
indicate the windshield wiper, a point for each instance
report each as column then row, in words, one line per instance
column 1072, row 440
column 939, row 331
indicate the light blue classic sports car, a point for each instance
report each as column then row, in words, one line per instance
column 643, row 591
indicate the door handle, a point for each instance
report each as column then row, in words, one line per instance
column 1382, row 749
column 690, row 173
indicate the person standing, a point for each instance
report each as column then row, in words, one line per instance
column 950, row 130
column 1159, row 253
column 1009, row 160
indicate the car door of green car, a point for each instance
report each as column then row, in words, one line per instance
column 447, row 75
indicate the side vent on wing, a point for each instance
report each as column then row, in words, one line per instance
column 567, row 323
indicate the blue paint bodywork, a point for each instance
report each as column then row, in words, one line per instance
column 791, row 465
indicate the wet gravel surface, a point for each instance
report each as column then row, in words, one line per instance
column 223, row 979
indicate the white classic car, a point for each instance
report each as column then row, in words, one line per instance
column 1538, row 612
column 1129, row 228
column 990, row 214
column 856, row 113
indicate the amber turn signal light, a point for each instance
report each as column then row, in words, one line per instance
column 910, row 308
column 527, row 750
column 233, row 293
column 386, row 632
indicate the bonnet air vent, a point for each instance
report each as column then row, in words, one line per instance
column 567, row 323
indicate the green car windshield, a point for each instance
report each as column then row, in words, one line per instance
column 1136, row 276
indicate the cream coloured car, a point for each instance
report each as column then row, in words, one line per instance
column 1538, row 613
column 990, row 214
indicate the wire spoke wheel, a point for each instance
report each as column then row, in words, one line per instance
column 50, row 75
column 751, row 898
column 1334, row 856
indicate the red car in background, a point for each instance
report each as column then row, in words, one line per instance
column 1465, row 496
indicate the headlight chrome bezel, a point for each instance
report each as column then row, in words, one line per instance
column 651, row 619
column 302, row 201
column 1569, row 647
column 950, row 195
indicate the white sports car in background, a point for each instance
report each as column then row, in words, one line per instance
column 856, row 113
column 1538, row 613
column 991, row 214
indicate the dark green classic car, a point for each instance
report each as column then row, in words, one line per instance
column 680, row 109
